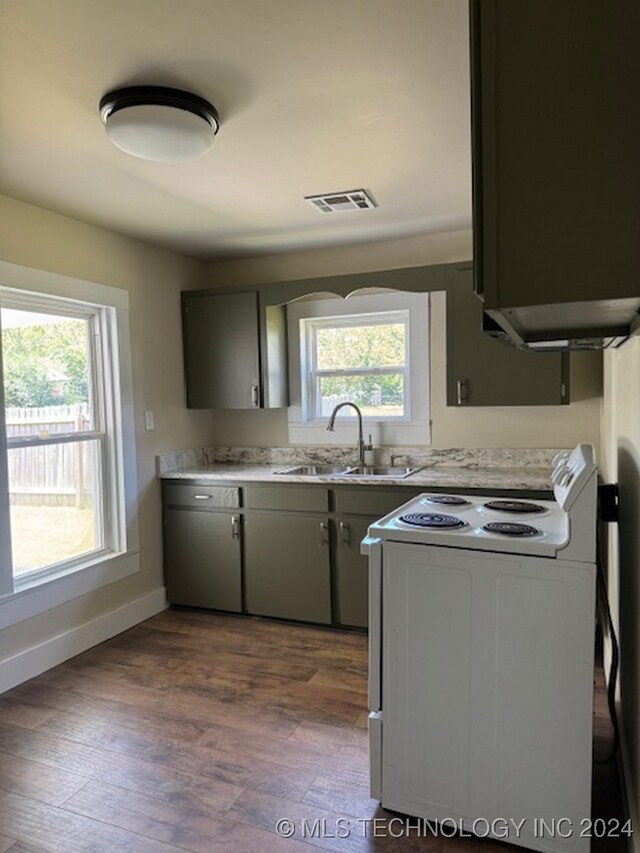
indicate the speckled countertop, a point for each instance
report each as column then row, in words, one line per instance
column 523, row 479
column 519, row 470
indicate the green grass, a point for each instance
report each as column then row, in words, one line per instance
column 42, row 535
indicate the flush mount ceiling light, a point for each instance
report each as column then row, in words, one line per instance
column 158, row 123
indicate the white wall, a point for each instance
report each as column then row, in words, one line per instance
column 621, row 463
column 521, row 426
column 33, row 237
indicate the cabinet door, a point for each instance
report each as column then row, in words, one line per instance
column 221, row 346
column 202, row 559
column 484, row 372
column 287, row 569
column 352, row 587
column 556, row 190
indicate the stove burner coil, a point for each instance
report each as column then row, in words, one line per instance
column 447, row 500
column 513, row 506
column 511, row 528
column 432, row 519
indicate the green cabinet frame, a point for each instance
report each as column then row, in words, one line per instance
column 482, row 371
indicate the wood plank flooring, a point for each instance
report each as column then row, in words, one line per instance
column 198, row 732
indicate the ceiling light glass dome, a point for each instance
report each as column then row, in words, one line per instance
column 159, row 123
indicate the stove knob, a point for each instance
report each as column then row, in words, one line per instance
column 558, row 473
column 566, row 478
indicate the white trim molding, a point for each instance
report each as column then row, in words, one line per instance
column 38, row 659
column 31, row 592
column 415, row 427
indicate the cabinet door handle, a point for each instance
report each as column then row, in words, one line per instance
column 324, row 533
column 345, row 533
column 255, row 395
column 463, row 391
column 201, row 497
column 235, row 526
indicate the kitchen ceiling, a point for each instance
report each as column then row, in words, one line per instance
column 314, row 97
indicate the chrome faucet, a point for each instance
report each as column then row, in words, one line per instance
column 361, row 445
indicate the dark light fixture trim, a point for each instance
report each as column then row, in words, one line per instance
column 135, row 96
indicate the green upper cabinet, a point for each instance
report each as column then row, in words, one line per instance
column 555, row 149
column 235, row 353
column 484, row 372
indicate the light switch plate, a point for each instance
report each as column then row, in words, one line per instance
column 149, row 423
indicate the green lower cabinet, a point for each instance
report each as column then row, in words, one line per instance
column 287, row 566
column 351, row 571
column 286, row 551
column 203, row 559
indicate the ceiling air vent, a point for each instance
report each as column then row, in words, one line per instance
column 341, row 202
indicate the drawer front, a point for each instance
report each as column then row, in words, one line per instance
column 287, row 497
column 376, row 501
column 202, row 497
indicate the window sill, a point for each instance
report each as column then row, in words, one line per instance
column 37, row 594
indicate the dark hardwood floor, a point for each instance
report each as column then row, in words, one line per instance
column 197, row 731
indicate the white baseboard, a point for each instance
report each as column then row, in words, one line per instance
column 37, row 659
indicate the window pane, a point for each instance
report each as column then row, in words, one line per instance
column 46, row 373
column 345, row 347
column 54, row 511
column 377, row 396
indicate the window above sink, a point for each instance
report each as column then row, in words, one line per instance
column 370, row 349
column 363, row 358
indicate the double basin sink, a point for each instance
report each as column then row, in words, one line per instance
column 391, row 472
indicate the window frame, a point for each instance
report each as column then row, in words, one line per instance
column 305, row 314
column 102, row 393
column 34, row 591
column 310, row 388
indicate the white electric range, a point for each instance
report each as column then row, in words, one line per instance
column 481, row 635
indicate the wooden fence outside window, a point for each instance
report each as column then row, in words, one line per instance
column 53, row 474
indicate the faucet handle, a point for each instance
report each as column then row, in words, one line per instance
column 369, row 445
column 395, row 456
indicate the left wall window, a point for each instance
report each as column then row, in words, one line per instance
column 66, row 490
column 56, row 395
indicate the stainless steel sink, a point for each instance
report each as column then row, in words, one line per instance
column 315, row 470
column 391, row 471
